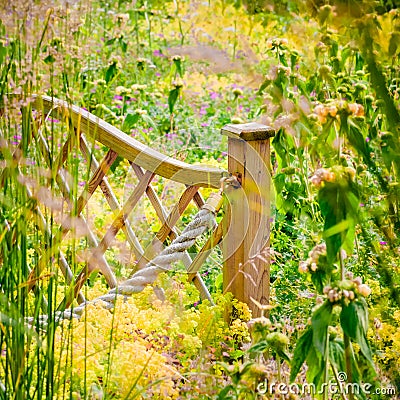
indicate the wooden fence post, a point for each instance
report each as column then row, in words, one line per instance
column 247, row 219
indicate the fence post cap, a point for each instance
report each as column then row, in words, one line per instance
column 248, row 131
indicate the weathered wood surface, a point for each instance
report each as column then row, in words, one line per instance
column 129, row 148
column 247, row 218
column 243, row 233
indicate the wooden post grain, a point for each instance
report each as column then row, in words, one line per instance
column 247, row 219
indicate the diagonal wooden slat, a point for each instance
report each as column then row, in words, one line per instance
column 142, row 158
column 96, row 179
column 119, row 221
column 198, row 199
column 157, row 243
column 103, row 266
column 111, row 199
column 112, row 231
column 162, row 215
column 205, row 251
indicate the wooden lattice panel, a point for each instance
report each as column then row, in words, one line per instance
column 79, row 156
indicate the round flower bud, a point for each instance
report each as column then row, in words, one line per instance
column 313, row 267
column 177, row 83
column 360, row 86
column 284, row 41
column 351, row 172
column 364, row 290
column 303, row 267
column 332, row 110
column 324, row 71
column 321, row 110
column 316, row 181
column 330, row 177
column 237, row 120
column 349, row 275
column 369, row 98
column 277, row 340
column 122, row 90
column 357, row 281
column 237, row 92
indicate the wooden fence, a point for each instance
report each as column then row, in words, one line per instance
column 243, row 233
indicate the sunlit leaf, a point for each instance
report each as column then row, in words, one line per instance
column 354, row 322
column 320, row 322
column 172, row 98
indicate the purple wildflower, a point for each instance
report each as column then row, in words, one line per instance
column 158, row 53
column 214, row 95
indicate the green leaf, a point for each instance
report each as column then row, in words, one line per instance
column 236, row 354
column 339, row 206
column 316, row 366
column 336, row 354
column 124, row 45
column 49, row 59
column 222, row 395
column 178, row 65
column 357, row 139
column 259, row 347
column 130, row 121
column 172, row 98
column 320, row 279
column 115, row 164
column 219, row 281
column 354, row 322
column 3, row 52
column 264, row 85
column 300, row 353
column 338, row 228
column 111, row 71
column 284, row 147
column 320, row 322
column 337, row 359
column 283, row 355
column 111, row 41
column 394, row 43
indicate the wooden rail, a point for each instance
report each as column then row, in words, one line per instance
column 243, row 235
column 129, row 148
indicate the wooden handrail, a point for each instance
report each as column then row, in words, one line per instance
column 245, row 227
column 129, row 148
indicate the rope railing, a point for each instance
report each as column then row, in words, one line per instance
column 242, row 233
column 201, row 222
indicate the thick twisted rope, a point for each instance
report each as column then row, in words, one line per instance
column 202, row 221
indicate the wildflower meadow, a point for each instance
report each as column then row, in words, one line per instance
column 80, row 214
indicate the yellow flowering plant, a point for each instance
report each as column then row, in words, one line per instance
column 145, row 346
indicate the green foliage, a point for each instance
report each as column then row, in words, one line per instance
column 326, row 76
column 354, row 321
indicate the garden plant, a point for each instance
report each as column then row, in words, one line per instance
column 325, row 75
